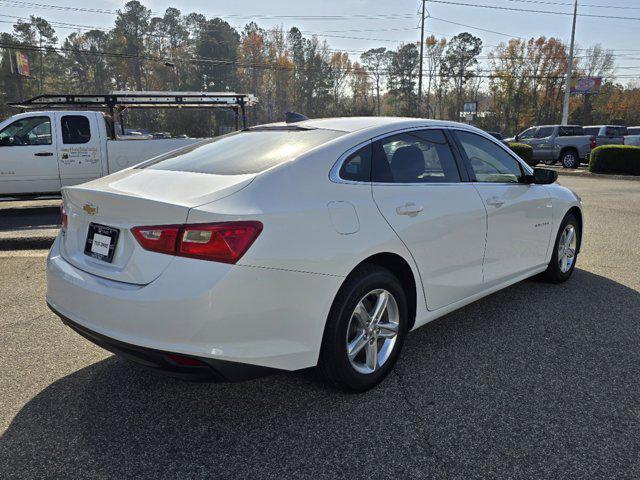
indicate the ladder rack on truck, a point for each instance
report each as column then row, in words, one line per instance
column 117, row 102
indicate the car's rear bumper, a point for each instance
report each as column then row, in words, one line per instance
column 256, row 316
column 166, row 362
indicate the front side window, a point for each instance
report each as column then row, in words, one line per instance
column 357, row 166
column 527, row 134
column 421, row 156
column 489, row 162
column 544, row 132
column 244, row 152
column 27, row 131
column 75, row 129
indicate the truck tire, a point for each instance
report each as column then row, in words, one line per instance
column 570, row 159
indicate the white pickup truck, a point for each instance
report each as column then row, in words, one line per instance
column 41, row 152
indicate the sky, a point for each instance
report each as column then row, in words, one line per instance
column 393, row 22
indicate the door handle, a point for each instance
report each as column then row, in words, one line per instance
column 43, row 154
column 410, row 209
column 495, row 202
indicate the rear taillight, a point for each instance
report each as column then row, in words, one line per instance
column 63, row 217
column 594, row 143
column 161, row 239
column 218, row 242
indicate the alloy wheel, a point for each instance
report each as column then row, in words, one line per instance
column 372, row 331
column 567, row 248
column 570, row 160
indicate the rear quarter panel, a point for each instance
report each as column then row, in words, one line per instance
column 293, row 202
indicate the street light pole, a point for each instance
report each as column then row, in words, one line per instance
column 421, row 60
column 567, row 87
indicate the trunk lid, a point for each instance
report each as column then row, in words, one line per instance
column 131, row 198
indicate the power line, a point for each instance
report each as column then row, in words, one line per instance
column 474, row 28
column 587, row 5
column 527, row 10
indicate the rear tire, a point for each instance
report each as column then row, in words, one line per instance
column 570, row 159
column 359, row 350
column 565, row 251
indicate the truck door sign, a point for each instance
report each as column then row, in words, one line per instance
column 79, row 156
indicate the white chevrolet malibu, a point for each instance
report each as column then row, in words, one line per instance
column 314, row 243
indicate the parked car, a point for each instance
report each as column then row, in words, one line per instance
column 41, row 152
column 607, row 134
column 161, row 135
column 317, row 242
column 633, row 136
column 567, row 144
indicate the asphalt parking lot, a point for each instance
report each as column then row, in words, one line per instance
column 536, row 381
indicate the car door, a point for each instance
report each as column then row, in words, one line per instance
column 542, row 144
column 416, row 183
column 28, row 159
column 518, row 214
column 79, row 148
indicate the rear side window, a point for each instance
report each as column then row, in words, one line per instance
column 633, row 131
column 421, row 156
column 75, row 129
column 592, row 131
column 570, row 131
column 544, row 132
column 244, row 152
column 357, row 166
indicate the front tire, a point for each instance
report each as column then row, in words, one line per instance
column 365, row 330
column 565, row 251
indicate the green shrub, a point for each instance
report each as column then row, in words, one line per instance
column 524, row 151
column 623, row 159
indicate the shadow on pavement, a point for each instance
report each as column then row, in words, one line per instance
column 536, row 381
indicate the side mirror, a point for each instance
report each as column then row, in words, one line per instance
column 542, row 176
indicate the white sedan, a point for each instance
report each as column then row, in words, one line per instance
column 311, row 243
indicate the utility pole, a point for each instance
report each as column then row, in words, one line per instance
column 421, row 59
column 567, row 87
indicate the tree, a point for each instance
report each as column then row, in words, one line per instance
column 339, row 71
column 132, row 24
column 595, row 62
column 403, row 69
column 376, row 60
column 459, row 60
column 434, row 49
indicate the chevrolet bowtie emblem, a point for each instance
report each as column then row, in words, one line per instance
column 90, row 209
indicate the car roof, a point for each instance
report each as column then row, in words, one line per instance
column 354, row 124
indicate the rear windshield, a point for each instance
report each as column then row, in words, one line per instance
column 593, row 131
column 244, row 152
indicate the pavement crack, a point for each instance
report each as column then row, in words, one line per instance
column 404, row 392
